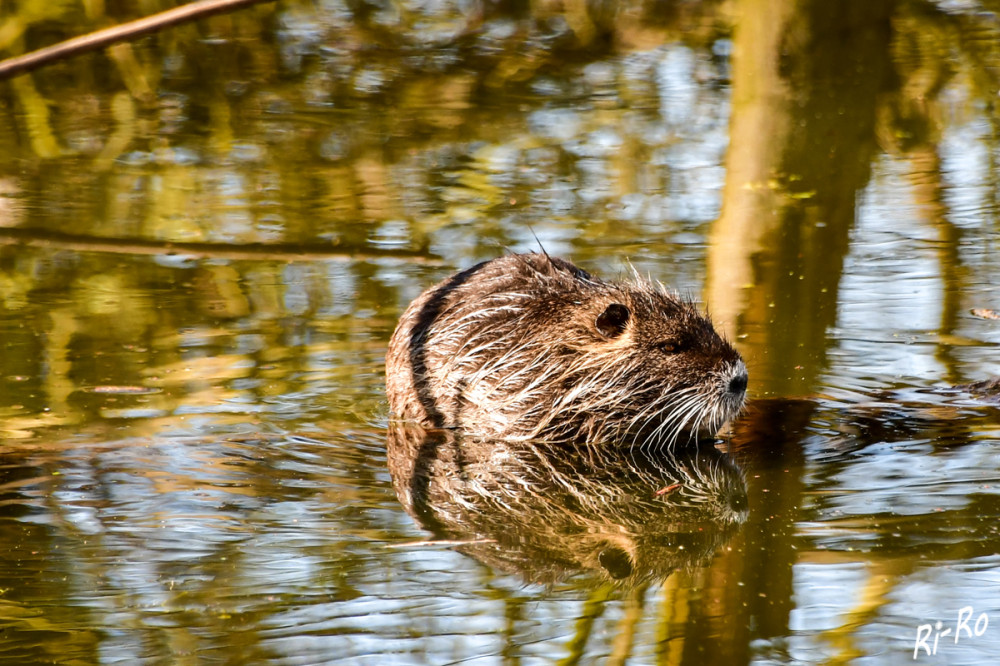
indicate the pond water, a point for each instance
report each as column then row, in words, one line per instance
column 207, row 236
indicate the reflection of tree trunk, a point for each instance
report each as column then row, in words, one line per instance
column 624, row 639
column 806, row 77
column 925, row 178
column 910, row 126
column 760, row 115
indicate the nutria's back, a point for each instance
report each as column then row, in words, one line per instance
column 532, row 347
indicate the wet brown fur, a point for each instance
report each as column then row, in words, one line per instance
column 532, row 347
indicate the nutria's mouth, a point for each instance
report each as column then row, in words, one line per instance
column 719, row 407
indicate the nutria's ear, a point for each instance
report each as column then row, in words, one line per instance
column 616, row 562
column 611, row 323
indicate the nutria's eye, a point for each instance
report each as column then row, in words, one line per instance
column 672, row 346
column 611, row 323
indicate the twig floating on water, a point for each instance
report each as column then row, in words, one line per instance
column 663, row 491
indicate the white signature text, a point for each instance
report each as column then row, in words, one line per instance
column 930, row 635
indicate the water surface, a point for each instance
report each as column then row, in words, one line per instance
column 208, row 235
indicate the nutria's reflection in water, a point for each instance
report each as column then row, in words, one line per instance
column 547, row 512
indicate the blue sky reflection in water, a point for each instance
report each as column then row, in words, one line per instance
column 208, row 235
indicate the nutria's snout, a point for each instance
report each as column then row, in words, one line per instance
column 532, row 347
column 735, row 380
column 732, row 390
column 738, row 381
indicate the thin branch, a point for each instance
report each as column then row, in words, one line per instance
column 131, row 30
column 251, row 251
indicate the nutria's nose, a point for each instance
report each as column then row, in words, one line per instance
column 738, row 384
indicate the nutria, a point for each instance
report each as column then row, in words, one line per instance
column 529, row 346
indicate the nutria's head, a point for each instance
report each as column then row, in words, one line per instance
column 649, row 366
